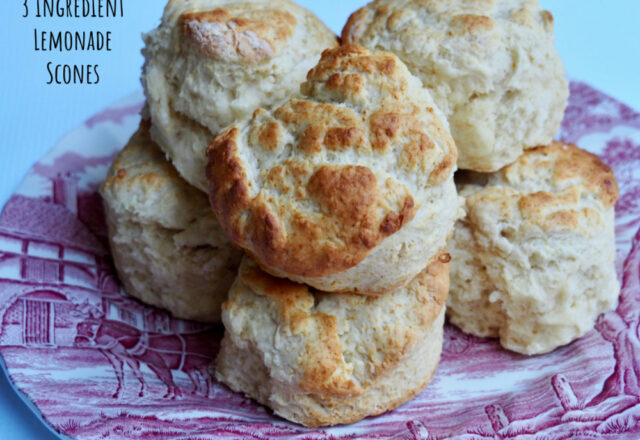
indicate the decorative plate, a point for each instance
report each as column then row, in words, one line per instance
column 97, row 364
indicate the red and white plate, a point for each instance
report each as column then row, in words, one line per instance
column 97, row 364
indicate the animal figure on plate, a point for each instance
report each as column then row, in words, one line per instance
column 122, row 344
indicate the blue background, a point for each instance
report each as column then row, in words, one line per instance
column 599, row 42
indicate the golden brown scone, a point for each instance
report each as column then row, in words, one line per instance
column 490, row 65
column 325, row 359
column 168, row 248
column 211, row 62
column 533, row 260
column 349, row 189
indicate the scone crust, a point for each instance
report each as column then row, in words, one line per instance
column 533, row 260
column 314, row 187
column 211, row 62
column 167, row 246
column 491, row 66
column 324, row 359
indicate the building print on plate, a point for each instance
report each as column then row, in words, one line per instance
column 46, row 279
column 41, row 277
column 99, row 365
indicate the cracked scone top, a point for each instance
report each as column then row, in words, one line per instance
column 349, row 188
column 490, row 65
column 533, row 260
column 325, row 359
column 167, row 246
column 211, row 62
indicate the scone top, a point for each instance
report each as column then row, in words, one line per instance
column 558, row 187
column 490, row 65
column 311, row 188
column 212, row 62
column 563, row 166
column 237, row 34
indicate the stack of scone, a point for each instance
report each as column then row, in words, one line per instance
column 331, row 169
column 209, row 63
column 348, row 189
column 533, row 259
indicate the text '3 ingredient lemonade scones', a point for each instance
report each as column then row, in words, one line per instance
column 348, row 189
column 326, row 359
column 490, row 65
column 533, row 260
column 168, row 248
column 211, row 62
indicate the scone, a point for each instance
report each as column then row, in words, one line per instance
column 348, row 189
column 168, row 248
column 325, row 359
column 211, row 62
column 490, row 65
column 533, row 260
